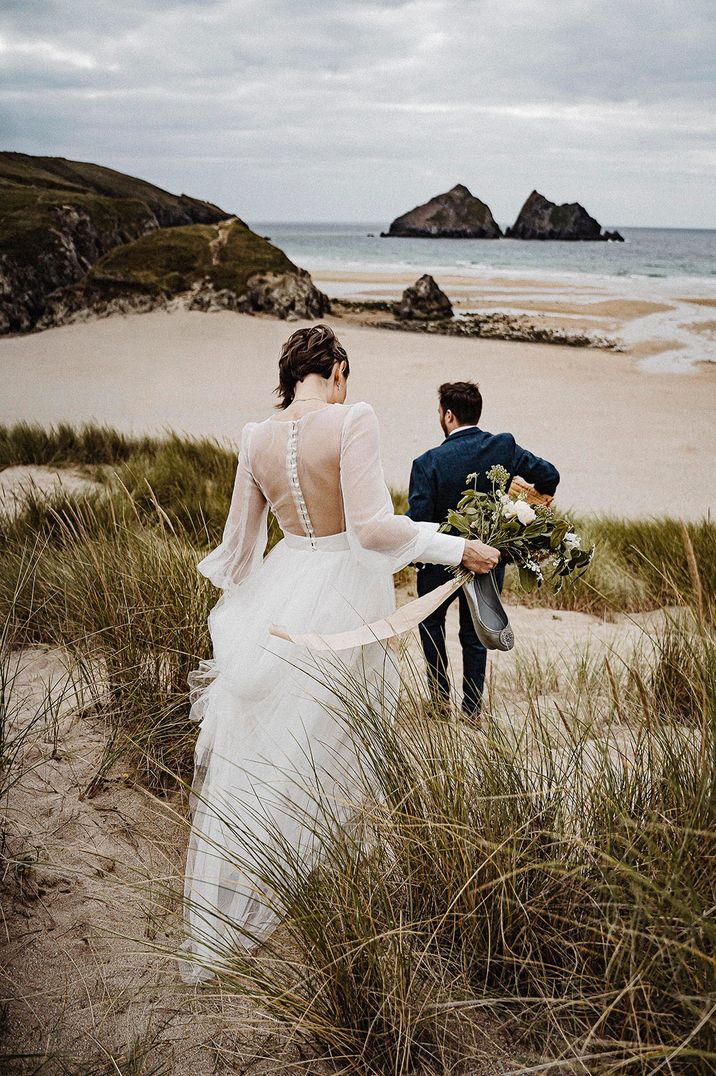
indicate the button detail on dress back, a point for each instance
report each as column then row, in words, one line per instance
column 292, row 470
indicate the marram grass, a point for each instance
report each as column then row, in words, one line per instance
column 543, row 890
column 560, row 880
column 639, row 564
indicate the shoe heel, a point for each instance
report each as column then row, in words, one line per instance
column 489, row 618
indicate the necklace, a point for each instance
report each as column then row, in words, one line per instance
column 303, row 399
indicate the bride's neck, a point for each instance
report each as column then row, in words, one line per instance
column 313, row 388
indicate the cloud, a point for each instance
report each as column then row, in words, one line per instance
column 357, row 110
column 46, row 52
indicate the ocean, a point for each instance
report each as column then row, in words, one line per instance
column 647, row 252
column 668, row 266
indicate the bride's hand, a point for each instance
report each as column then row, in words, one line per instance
column 478, row 557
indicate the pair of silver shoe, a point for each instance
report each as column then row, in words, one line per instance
column 488, row 615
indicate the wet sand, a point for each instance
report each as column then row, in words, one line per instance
column 646, row 317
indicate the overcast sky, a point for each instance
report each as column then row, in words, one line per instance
column 356, row 111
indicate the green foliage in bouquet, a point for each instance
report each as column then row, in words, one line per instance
column 542, row 543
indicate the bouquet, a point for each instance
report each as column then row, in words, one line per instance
column 543, row 544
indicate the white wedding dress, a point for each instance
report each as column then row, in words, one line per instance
column 267, row 731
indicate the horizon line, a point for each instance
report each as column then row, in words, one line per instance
column 372, row 223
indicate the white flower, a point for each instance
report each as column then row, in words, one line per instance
column 571, row 540
column 534, row 567
column 525, row 512
column 509, row 508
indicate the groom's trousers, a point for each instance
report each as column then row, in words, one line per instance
column 432, row 636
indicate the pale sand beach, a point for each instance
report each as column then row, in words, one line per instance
column 627, row 441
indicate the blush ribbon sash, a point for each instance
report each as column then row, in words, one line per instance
column 403, row 619
column 408, row 616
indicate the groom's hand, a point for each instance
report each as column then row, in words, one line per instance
column 479, row 558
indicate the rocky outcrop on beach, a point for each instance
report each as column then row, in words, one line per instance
column 541, row 219
column 423, row 299
column 499, row 326
column 381, row 314
column 64, row 223
column 457, row 214
column 203, row 267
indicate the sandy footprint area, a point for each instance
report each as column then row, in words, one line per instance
column 627, row 441
column 86, row 974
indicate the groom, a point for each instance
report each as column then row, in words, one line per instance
column 437, row 481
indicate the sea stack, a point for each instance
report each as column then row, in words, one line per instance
column 541, row 219
column 457, row 214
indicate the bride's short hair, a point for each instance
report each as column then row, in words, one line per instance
column 308, row 351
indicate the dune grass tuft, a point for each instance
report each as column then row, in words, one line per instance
column 559, row 882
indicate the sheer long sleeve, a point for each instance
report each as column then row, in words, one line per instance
column 375, row 533
column 244, row 538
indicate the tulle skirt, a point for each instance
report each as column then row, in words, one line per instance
column 273, row 732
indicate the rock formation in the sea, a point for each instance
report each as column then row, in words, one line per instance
column 541, row 219
column 454, row 215
column 424, row 299
column 59, row 219
column 222, row 266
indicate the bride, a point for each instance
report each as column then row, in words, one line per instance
column 266, row 731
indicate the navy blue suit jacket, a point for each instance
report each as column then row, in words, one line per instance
column 439, row 476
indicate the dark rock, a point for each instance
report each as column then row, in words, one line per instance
column 454, row 215
column 424, row 299
column 613, row 237
column 541, row 219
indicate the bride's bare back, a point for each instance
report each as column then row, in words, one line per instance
column 321, row 474
column 296, row 462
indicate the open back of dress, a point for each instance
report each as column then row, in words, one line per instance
column 321, row 475
column 297, row 465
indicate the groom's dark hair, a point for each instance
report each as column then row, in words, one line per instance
column 463, row 398
column 315, row 350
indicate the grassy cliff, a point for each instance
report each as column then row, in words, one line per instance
column 59, row 217
column 79, row 238
column 33, row 175
column 206, row 266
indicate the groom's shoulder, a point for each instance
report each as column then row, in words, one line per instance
column 425, row 458
column 472, row 440
column 497, row 438
column 469, row 440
